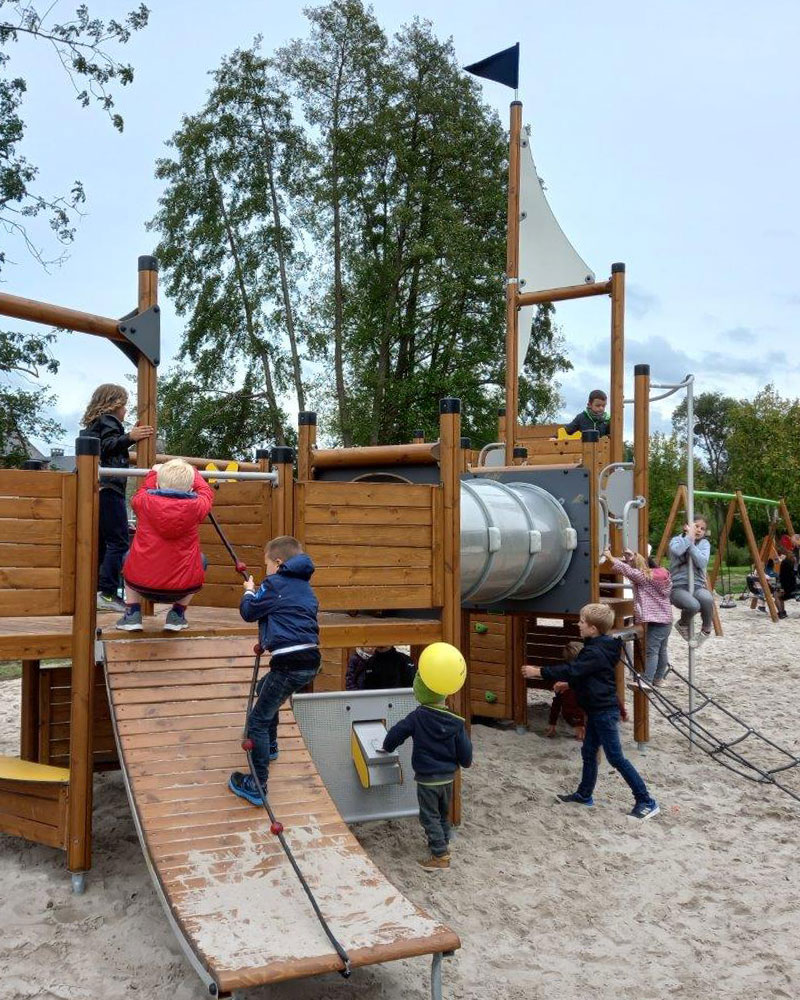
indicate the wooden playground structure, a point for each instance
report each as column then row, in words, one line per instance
column 383, row 526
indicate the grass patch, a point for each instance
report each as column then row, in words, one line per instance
column 10, row 671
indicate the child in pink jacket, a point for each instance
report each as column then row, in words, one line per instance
column 651, row 605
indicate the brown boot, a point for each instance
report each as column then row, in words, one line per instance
column 434, row 863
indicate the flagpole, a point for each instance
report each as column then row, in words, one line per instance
column 512, row 281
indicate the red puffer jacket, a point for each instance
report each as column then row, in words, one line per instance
column 165, row 554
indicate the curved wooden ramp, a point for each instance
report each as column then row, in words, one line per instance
column 230, row 894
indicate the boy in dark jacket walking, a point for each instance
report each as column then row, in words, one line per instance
column 591, row 675
column 285, row 608
column 441, row 745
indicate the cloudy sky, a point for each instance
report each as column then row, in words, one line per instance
column 665, row 132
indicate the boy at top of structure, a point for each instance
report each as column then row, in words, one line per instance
column 103, row 418
column 165, row 563
column 591, row 675
column 651, row 607
column 691, row 544
column 441, row 746
column 593, row 417
column 286, row 608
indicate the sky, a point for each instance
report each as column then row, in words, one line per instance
column 665, row 133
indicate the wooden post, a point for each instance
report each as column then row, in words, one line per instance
column 501, row 423
column 617, row 361
column 146, row 410
column 519, row 686
column 722, row 545
column 84, row 622
column 591, row 462
column 282, row 461
column 520, row 456
column 512, row 281
column 29, row 730
column 418, row 437
column 306, row 443
column 641, row 487
column 466, row 445
column 755, row 555
column 678, row 504
column 784, row 512
column 450, row 469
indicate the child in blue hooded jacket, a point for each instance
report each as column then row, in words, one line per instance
column 285, row 608
column 441, row 745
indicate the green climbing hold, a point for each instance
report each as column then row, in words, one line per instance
column 491, row 697
column 480, row 628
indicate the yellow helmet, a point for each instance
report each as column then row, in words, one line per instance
column 442, row 668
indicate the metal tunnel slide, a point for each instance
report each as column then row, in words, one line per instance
column 236, row 906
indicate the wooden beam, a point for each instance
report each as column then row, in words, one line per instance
column 382, row 454
column 564, row 294
column 53, row 315
column 617, row 361
column 84, row 622
column 306, row 443
column 755, row 555
column 678, row 504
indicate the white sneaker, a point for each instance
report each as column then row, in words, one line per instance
column 700, row 638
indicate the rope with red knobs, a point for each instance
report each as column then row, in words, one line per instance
column 276, row 827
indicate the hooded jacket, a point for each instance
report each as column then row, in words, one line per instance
column 165, row 554
column 586, row 420
column 591, row 675
column 440, row 738
column 114, row 445
column 284, row 606
column 650, row 593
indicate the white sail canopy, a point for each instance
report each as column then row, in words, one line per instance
column 547, row 259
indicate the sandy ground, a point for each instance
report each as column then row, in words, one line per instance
column 550, row 901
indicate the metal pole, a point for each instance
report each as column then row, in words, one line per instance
column 217, row 474
column 690, row 522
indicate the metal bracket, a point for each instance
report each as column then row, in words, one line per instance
column 142, row 333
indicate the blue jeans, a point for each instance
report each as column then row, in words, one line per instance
column 113, row 540
column 656, row 662
column 273, row 690
column 602, row 730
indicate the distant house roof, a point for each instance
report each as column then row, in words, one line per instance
column 15, row 442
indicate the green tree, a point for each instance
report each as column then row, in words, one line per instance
column 714, row 418
column 83, row 46
column 667, row 470
column 227, row 249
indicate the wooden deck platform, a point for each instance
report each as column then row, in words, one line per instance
column 51, row 637
column 230, row 894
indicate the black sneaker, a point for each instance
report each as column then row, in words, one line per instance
column 273, row 751
column 575, row 799
column 245, row 787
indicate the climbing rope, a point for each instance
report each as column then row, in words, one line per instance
column 720, row 750
column 239, row 565
column 276, row 827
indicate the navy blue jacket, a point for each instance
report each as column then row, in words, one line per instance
column 588, row 421
column 592, row 674
column 284, row 606
column 440, row 740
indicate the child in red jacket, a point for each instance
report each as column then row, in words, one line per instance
column 165, row 563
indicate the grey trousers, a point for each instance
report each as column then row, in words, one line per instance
column 689, row 606
column 656, row 662
column 434, row 810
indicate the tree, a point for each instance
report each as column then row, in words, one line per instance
column 81, row 46
column 667, row 470
column 539, row 396
column 714, row 418
column 227, row 251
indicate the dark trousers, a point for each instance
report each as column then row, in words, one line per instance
column 602, row 730
column 434, row 813
column 113, row 540
column 273, row 689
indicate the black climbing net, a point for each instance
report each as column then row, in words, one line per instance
column 725, row 737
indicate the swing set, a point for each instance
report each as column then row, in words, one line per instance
column 737, row 503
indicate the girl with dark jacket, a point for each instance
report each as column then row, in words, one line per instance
column 103, row 419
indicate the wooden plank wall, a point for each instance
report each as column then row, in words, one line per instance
column 244, row 512
column 54, row 720
column 490, row 661
column 37, row 543
column 332, row 671
column 543, row 451
column 544, row 644
column 35, row 810
column 376, row 546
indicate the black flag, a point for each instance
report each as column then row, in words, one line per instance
column 502, row 67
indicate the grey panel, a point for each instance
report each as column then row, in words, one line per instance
column 326, row 720
column 571, row 488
